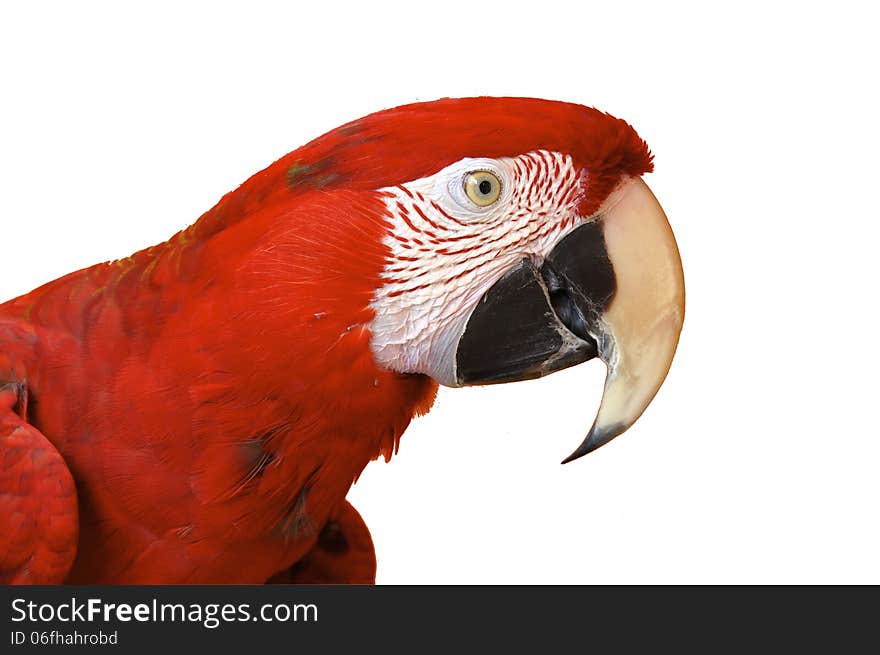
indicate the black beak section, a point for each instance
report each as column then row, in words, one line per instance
column 536, row 321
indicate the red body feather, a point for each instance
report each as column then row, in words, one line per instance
column 215, row 396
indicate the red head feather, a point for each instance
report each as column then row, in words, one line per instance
column 412, row 141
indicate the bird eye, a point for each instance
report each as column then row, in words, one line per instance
column 482, row 187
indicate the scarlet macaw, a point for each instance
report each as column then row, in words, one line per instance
column 198, row 411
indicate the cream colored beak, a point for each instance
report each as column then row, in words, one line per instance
column 638, row 331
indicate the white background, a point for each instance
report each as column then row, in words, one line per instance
column 757, row 461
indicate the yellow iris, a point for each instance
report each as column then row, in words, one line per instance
column 482, row 187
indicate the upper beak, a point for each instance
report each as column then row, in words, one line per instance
column 613, row 287
column 638, row 330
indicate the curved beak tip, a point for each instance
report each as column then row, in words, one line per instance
column 596, row 438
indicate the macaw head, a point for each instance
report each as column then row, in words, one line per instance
column 519, row 240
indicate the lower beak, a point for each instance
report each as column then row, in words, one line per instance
column 613, row 287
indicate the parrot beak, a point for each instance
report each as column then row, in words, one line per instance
column 611, row 288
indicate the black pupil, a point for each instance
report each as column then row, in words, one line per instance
column 485, row 187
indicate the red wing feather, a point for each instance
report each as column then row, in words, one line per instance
column 38, row 503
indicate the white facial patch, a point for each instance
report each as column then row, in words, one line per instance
column 446, row 251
